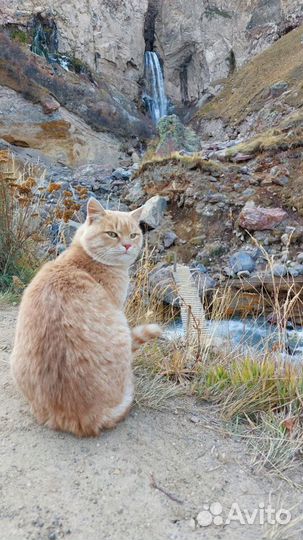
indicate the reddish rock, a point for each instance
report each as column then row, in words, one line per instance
column 50, row 105
column 255, row 218
column 239, row 158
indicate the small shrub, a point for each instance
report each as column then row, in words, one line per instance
column 21, row 227
column 20, row 35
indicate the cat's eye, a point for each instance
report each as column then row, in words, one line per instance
column 112, row 234
column 133, row 235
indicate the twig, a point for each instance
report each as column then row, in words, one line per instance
column 154, row 484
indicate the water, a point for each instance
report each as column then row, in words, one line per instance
column 45, row 43
column 248, row 334
column 154, row 96
column 45, row 40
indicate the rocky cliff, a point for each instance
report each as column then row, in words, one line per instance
column 199, row 42
column 203, row 42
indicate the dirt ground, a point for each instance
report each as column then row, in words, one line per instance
column 147, row 479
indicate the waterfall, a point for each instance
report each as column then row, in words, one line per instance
column 45, row 42
column 154, row 96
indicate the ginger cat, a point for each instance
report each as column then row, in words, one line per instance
column 72, row 356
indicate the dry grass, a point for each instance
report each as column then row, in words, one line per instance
column 24, row 232
column 193, row 161
column 271, row 140
column 261, row 392
column 21, row 226
column 276, row 441
column 154, row 392
column 249, row 386
column 144, row 306
column 293, row 530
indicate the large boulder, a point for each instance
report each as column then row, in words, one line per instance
column 153, row 212
column 256, row 218
column 242, row 262
column 174, row 136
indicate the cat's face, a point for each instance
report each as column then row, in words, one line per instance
column 109, row 237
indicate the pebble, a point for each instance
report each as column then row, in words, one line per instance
column 242, row 261
column 194, row 419
column 192, row 523
column 249, row 192
column 243, row 274
column 169, row 239
column 279, row 270
column 280, row 181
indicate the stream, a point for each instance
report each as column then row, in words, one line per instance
column 247, row 335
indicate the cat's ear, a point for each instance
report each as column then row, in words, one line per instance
column 136, row 214
column 95, row 210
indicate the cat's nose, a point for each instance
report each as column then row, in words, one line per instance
column 127, row 246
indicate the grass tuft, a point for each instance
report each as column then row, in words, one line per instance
column 193, row 161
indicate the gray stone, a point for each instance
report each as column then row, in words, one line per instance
column 242, row 261
column 204, row 282
column 239, row 158
column 153, row 211
column 297, row 270
column 249, row 192
column 135, row 158
column 278, row 88
column 198, row 267
column 214, row 198
column 169, row 239
column 121, row 174
column 243, row 274
column 229, row 272
column 300, row 257
column 279, row 270
column 135, row 192
column 280, row 181
column 161, row 284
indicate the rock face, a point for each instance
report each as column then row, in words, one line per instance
column 99, row 104
column 59, row 135
column 199, row 42
column 107, row 35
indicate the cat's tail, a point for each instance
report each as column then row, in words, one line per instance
column 143, row 333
